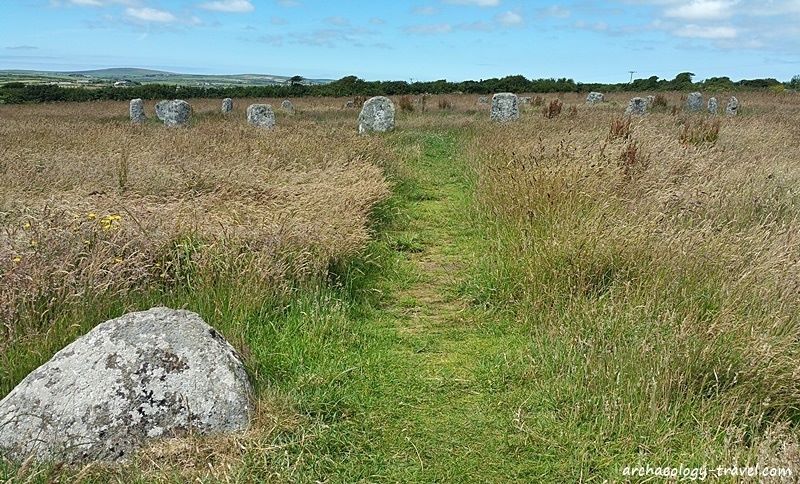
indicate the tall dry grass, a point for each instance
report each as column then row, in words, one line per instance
column 656, row 263
column 92, row 205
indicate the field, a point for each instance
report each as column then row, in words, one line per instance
column 456, row 301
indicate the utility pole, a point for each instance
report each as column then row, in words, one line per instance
column 631, row 73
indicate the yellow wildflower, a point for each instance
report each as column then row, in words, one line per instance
column 34, row 243
column 17, row 259
column 118, row 260
column 91, row 215
column 26, row 225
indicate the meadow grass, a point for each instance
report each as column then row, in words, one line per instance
column 547, row 301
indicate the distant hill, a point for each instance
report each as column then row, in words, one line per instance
column 146, row 76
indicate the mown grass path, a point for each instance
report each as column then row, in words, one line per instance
column 438, row 417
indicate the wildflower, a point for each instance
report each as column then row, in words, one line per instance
column 109, row 222
column 118, row 260
column 91, row 216
column 26, row 225
column 17, row 259
column 34, row 243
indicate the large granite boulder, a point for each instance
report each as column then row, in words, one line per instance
column 150, row 374
column 261, row 116
column 505, row 107
column 637, row 106
column 227, row 105
column 137, row 111
column 595, row 98
column 377, row 115
column 694, row 102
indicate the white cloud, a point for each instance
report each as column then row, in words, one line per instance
column 702, row 10
column 477, row 3
column 706, row 32
column 146, row 14
column 430, row 29
column 555, row 11
column 231, row 6
column 509, row 19
column 337, row 21
column 426, row 10
column 94, row 3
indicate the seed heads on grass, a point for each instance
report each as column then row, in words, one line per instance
column 699, row 131
column 406, row 104
column 620, row 128
column 553, row 109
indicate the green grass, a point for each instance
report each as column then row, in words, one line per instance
column 423, row 361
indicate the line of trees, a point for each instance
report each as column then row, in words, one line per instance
column 15, row 92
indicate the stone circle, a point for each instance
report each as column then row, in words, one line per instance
column 595, row 98
column 637, row 106
column 713, row 105
column 174, row 113
column 732, row 109
column 694, row 102
column 261, row 116
column 505, row 107
column 137, row 111
column 161, row 108
column 227, row 105
column 377, row 115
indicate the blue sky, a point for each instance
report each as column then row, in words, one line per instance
column 403, row 40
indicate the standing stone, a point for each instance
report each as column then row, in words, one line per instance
column 694, row 102
column 227, row 105
column 650, row 100
column 287, row 106
column 483, row 100
column 150, row 374
column 713, row 106
column 137, row 111
column 733, row 107
column 637, row 106
column 376, row 115
column 176, row 113
column 161, row 108
column 595, row 98
column 261, row 116
column 505, row 107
